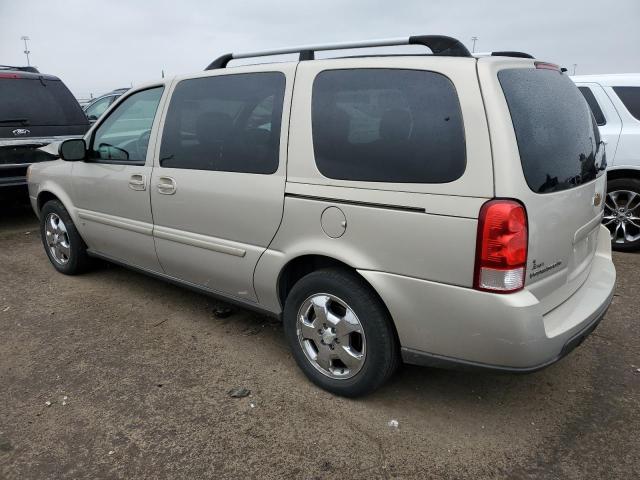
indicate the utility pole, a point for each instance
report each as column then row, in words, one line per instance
column 25, row 39
column 474, row 40
column 574, row 68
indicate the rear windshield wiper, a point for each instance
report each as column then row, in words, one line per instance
column 23, row 121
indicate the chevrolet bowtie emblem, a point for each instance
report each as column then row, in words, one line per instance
column 597, row 198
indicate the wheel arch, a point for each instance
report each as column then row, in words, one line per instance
column 302, row 265
column 44, row 197
column 623, row 172
column 51, row 190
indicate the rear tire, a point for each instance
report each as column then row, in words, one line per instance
column 62, row 242
column 622, row 213
column 335, row 316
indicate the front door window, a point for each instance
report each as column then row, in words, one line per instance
column 124, row 135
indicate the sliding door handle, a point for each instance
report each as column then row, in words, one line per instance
column 166, row 186
column 137, row 182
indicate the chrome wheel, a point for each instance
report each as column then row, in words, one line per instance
column 331, row 336
column 622, row 216
column 57, row 238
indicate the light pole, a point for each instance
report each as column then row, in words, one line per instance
column 26, row 48
column 474, row 40
column 574, row 68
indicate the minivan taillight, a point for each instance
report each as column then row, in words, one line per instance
column 501, row 250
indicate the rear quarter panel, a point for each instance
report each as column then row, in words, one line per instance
column 425, row 231
column 551, row 240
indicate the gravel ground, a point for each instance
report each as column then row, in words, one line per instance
column 115, row 375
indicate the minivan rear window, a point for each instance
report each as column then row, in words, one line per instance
column 38, row 101
column 556, row 132
column 387, row 125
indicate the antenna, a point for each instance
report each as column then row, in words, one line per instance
column 25, row 39
column 474, row 40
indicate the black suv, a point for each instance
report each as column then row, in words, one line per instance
column 35, row 110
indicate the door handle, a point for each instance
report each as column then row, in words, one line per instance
column 137, row 182
column 166, row 186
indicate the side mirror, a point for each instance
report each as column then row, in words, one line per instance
column 73, row 150
column 92, row 118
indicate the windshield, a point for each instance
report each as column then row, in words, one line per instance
column 42, row 102
column 557, row 135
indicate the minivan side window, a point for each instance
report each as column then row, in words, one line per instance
column 228, row 123
column 124, row 135
column 387, row 125
column 630, row 96
column 593, row 105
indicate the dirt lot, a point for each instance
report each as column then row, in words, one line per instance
column 137, row 373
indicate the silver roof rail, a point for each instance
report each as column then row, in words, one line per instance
column 439, row 44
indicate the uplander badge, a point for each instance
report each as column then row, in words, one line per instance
column 21, row 132
column 540, row 268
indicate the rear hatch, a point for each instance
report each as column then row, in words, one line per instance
column 548, row 155
column 34, row 110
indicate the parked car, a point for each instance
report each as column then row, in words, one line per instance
column 443, row 210
column 615, row 103
column 94, row 109
column 35, row 110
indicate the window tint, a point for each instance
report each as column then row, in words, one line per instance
column 556, row 133
column 38, row 102
column 630, row 96
column 382, row 125
column 124, row 135
column 593, row 105
column 227, row 123
column 97, row 108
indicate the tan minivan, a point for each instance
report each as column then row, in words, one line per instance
column 438, row 209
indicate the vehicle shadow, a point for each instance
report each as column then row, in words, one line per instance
column 15, row 211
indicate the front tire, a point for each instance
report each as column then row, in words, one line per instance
column 340, row 333
column 62, row 242
column 622, row 213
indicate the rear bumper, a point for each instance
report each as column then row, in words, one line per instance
column 449, row 326
column 424, row 359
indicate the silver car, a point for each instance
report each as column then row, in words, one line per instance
column 441, row 210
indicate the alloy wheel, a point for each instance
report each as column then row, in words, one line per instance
column 331, row 336
column 57, row 239
column 622, row 216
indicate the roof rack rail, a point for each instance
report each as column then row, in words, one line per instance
column 20, row 69
column 511, row 54
column 439, row 44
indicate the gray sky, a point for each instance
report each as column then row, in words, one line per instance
column 96, row 46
